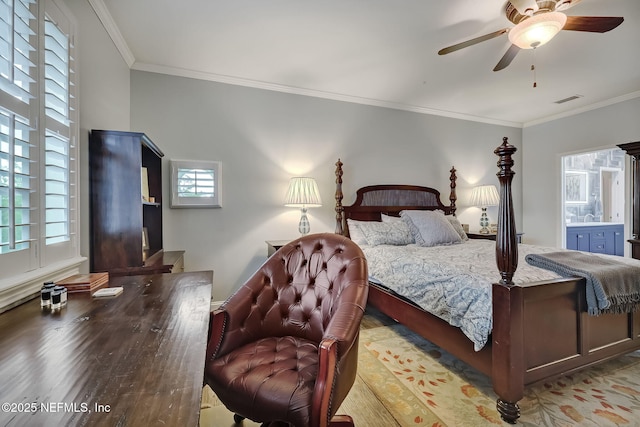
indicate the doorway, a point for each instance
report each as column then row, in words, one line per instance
column 612, row 185
column 593, row 201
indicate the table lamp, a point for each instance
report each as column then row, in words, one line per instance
column 303, row 193
column 483, row 196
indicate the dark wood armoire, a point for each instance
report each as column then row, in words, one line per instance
column 126, row 228
column 633, row 150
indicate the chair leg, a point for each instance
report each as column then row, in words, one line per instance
column 341, row 421
column 237, row 418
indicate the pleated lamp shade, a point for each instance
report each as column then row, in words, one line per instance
column 303, row 192
column 485, row 195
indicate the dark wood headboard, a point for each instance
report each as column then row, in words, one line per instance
column 373, row 201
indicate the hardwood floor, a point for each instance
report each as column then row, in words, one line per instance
column 362, row 404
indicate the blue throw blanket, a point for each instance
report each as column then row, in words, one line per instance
column 612, row 286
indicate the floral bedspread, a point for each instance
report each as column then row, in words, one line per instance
column 452, row 282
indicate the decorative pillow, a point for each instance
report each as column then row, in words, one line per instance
column 386, row 233
column 430, row 228
column 457, row 226
column 355, row 234
column 389, row 218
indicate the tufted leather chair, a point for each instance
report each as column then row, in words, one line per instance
column 284, row 347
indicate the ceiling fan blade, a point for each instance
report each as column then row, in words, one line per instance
column 592, row 24
column 507, row 57
column 471, row 42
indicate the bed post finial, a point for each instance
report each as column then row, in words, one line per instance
column 452, row 195
column 339, row 196
column 506, row 240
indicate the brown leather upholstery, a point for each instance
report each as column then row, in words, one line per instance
column 284, row 347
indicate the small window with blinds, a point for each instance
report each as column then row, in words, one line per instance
column 195, row 184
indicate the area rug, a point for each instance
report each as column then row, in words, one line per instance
column 422, row 385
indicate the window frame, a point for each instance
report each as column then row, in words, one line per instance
column 178, row 201
column 23, row 272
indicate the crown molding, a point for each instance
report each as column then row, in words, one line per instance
column 219, row 78
column 112, row 29
column 584, row 109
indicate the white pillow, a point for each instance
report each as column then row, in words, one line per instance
column 355, row 234
column 457, row 226
column 389, row 218
column 386, row 233
column 430, row 228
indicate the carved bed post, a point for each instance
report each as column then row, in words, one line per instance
column 339, row 196
column 506, row 240
column 507, row 334
column 452, row 195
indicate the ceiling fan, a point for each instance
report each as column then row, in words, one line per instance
column 537, row 22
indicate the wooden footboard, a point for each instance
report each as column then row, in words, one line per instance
column 543, row 331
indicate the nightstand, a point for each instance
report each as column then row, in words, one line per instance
column 274, row 245
column 491, row 236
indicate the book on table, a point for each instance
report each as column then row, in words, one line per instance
column 108, row 292
column 88, row 282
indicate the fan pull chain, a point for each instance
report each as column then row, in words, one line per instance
column 533, row 68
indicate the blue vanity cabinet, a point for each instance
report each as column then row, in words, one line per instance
column 578, row 239
column 604, row 239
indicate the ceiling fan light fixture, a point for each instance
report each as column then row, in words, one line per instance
column 537, row 30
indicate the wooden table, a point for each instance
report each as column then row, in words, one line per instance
column 136, row 359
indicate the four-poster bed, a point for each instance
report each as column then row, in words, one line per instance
column 540, row 329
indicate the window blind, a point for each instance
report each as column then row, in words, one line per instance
column 195, row 182
column 17, row 78
column 38, row 130
column 57, row 110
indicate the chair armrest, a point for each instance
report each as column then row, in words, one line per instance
column 217, row 325
column 345, row 323
column 327, row 365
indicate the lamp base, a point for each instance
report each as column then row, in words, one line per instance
column 303, row 226
column 484, row 222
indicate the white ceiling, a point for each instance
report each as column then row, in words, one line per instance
column 383, row 52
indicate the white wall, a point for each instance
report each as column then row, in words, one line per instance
column 545, row 144
column 104, row 95
column 263, row 138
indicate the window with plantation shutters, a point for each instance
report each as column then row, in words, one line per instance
column 57, row 133
column 195, row 183
column 18, row 72
column 18, row 40
column 38, row 133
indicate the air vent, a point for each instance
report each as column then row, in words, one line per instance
column 571, row 98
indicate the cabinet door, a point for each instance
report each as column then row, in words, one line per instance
column 116, row 210
column 578, row 239
column 618, row 241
